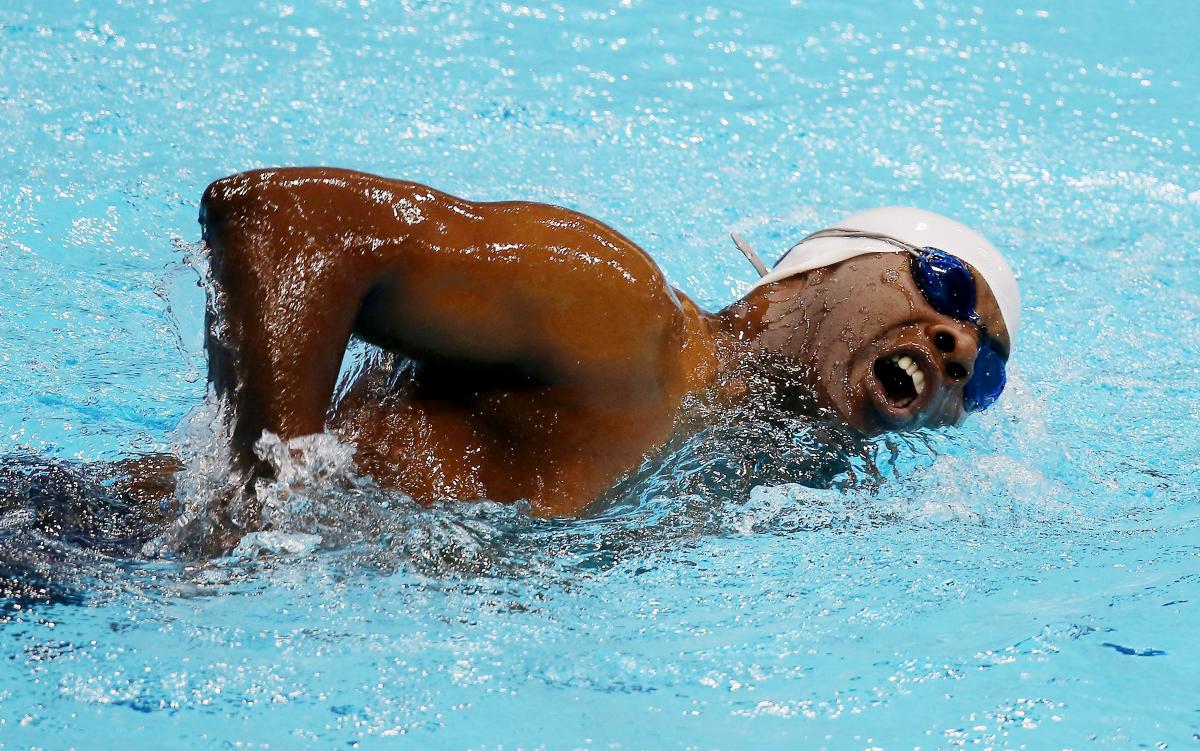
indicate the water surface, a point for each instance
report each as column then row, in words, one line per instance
column 1027, row 581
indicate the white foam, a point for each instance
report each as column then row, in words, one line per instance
column 276, row 544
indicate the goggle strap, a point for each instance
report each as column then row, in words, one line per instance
column 857, row 234
column 751, row 256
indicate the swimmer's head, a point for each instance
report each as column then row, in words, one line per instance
column 904, row 318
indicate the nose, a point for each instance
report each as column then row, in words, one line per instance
column 956, row 346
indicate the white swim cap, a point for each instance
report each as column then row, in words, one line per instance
column 915, row 227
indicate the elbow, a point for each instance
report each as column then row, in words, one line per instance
column 207, row 212
column 213, row 208
column 224, row 198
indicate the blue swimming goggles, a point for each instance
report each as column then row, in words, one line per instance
column 949, row 287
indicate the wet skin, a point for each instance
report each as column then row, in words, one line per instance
column 547, row 354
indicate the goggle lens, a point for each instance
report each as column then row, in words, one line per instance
column 946, row 283
column 988, row 379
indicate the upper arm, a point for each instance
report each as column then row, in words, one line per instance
column 558, row 295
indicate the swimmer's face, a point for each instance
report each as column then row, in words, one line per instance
column 882, row 357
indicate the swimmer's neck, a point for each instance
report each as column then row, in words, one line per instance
column 755, row 335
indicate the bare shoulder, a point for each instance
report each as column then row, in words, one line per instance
column 576, row 245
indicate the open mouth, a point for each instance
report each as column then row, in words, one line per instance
column 900, row 378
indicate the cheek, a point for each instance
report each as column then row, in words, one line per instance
column 833, row 360
column 841, row 381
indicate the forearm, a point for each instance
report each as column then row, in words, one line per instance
column 280, row 315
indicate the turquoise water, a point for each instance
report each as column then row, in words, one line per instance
column 1027, row 581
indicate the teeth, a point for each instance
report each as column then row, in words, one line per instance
column 914, row 372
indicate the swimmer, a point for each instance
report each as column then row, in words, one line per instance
column 539, row 355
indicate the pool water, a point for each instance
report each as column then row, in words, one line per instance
column 1027, row 581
